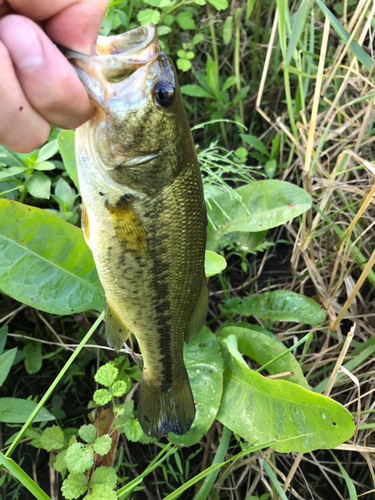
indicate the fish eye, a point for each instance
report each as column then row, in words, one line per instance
column 163, row 94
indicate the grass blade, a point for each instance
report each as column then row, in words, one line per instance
column 298, row 25
column 23, row 478
column 54, row 384
column 357, row 50
column 349, row 483
column 219, row 457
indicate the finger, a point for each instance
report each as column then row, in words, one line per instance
column 47, row 78
column 4, row 8
column 72, row 23
column 22, row 129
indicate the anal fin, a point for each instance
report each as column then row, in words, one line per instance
column 197, row 319
column 115, row 330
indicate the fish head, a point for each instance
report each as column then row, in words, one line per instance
column 139, row 134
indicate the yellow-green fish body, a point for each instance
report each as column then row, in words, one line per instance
column 144, row 216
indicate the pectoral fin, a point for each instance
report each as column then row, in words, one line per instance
column 197, row 319
column 85, row 224
column 128, row 227
column 115, row 330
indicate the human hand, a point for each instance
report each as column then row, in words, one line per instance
column 38, row 86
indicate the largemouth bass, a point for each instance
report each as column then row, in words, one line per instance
column 144, row 215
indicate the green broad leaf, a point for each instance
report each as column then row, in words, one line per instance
column 104, row 475
column 48, row 150
column 249, row 8
column 254, row 207
column 125, row 413
column 106, row 374
column 241, row 94
column 45, row 165
column 102, row 444
column 122, row 17
column 183, row 64
column 101, row 491
column 280, row 305
column 3, row 337
column 60, row 269
column 229, row 82
column 39, row 185
column 261, row 348
column 11, row 158
column 52, row 438
column 299, row 20
column 164, row 30
column 17, row 411
column 106, row 26
column 259, row 409
column 251, row 242
column 214, row 263
column 185, row 20
column 219, row 4
column 135, row 372
column 241, row 152
column 74, row 485
column 59, row 464
column 120, row 388
column 133, row 431
column 23, row 478
column 11, row 171
column 66, row 141
column 102, row 397
column 33, row 359
column 270, row 168
column 204, row 364
column 160, row 3
column 87, row 433
column 65, row 193
column 195, row 91
column 228, row 30
column 148, row 16
column 355, row 48
column 212, row 77
column 79, row 457
column 255, row 143
column 258, row 156
column 169, row 19
column 197, row 39
column 6, row 363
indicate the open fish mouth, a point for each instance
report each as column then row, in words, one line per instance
column 118, row 56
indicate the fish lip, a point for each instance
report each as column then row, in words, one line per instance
column 119, row 54
column 129, row 43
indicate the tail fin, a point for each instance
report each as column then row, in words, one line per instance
column 162, row 411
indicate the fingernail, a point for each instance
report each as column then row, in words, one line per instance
column 23, row 44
